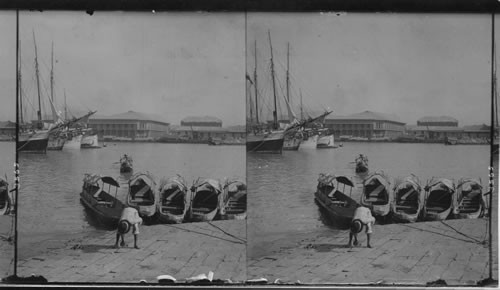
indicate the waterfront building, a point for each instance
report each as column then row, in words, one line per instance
column 467, row 134
column 205, row 133
column 367, row 124
column 205, row 121
column 133, row 126
column 7, row 130
column 438, row 121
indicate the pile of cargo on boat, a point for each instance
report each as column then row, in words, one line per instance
column 404, row 200
column 172, row 201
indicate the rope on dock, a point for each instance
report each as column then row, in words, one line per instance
column 231, row 235
column 459, row 232
column 205, row 234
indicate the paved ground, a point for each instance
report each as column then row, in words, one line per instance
column 402, row 254
column 6, row 246
column 182, row 251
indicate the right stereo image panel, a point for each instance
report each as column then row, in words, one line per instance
column 369, row 144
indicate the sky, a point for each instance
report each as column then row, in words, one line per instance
column 410, row 65
column 193, row 64
column 169, row 64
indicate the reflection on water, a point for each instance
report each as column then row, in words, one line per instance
column 51, row 183
column 281, row 187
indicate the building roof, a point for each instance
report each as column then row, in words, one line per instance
column 368, row 115
column 436, row 119
column 131, row 115
column 434, row 128
column 8, row 124
column 232, row 129
column 202, row 119
column 476, row 128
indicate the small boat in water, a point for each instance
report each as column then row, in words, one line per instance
column 361, row 164
column 377, row 194
column 234, row 200
column 5, row 201
column 142, row 194
column 126, row 164
column 99, row 200
column 334, row 200
column 408, row 200
column 470, row 201
column 173, row 203
column 205, row 200
column 439, row 199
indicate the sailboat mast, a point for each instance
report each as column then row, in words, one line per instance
column 255, row 87
column 39, row 113
column 65, row 107
column 52, row 75
column 301, row 108
column 275, row 112
column 288, row 73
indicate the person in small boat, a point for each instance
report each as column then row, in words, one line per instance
column 129, row 219
column 362, row 217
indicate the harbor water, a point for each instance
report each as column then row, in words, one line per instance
column 50, row 211
column 281, row 200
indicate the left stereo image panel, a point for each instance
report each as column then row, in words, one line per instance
column 7, row 138
column 126, row 168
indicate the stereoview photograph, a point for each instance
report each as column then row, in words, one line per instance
column 368, row 148
column 131, row 147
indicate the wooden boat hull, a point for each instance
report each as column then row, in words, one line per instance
column 361, row 167
column 292, row 144
column 377, row 195
column 439, row 201
column 107, row 215
column 271, row 143
column 470, row 204
column 5, row 201
column 125, row 168
column 408, row 201
column 143, row 197
column 33, row 142
column 235, row 206
column 206, row 201
column 326, row 142
column 339, row 207
column 173, row 202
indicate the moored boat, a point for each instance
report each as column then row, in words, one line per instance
column 310, row 141
column 334, row 200
column 265, row 142
column 408, row 200
column 173, row 203
column 439, row 199
column 99, row 200
column 5, row 201
column 126, row 164
column 73, row 140
column 377, row 194
column 234, row 205
column 205, row 200
column 56, row 142
column 325, row 142
column 470, row 200
column 292, row 142
column 33, row 141
column 361, row 164
column 89, row 140
column 142, row 194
